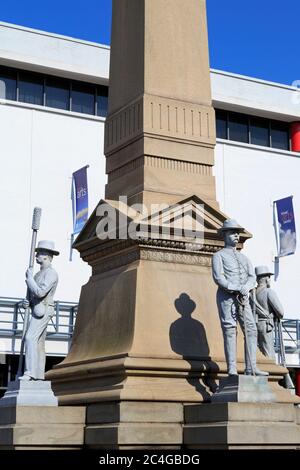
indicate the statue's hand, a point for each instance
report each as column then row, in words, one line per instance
column 244, row 291
column 29, row 273
column 25, row 303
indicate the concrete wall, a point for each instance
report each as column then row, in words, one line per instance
column 54, row 54
column 253, row 96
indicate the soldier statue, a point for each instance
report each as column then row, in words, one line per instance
column 267, row 309
column 41, row 289
column 235, row 277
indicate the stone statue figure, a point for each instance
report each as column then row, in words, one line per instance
column 235, row 277
column 267, row 309
column 41, row 288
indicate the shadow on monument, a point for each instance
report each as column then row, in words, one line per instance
column 188, row 339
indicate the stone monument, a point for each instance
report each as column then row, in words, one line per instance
column 147, row 337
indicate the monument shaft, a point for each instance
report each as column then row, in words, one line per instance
column 160, row 130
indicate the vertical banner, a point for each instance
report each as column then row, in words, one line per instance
column 286, row 235
column 80, row 200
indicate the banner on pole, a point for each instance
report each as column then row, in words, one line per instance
column 80, row 200
column 286, row 227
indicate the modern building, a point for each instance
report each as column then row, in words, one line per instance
column 53, row 104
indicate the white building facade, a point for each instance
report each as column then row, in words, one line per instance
column 53, row 103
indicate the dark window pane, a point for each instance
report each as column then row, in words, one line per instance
column 31, row 88
column 221, row 122
column 83, row 98
column 57, row 93
column 8, row 84
column 259, row 132
column 102, row 101
column 238, row 127
column 280, row 135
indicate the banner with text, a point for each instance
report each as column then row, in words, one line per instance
column 80, row 199
column 286, row 236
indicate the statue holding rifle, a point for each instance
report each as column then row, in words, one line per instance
column 235, row 277
column 41, row 289
column 39, row 302
column 269, row 312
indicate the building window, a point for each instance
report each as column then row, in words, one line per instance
column 8, row 84
column 221, row 124
column 252, row 129
column 54, row 92
column 57, row 93
column 260, row 131
column 280, row 135
column 31, row 88
column 238, row 127
column 83, row 98
column 102, row 101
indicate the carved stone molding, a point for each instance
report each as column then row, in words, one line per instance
column 160, row 117
column 162, row 164
column 124, row 125
column 117, row 260
column 179, row 119
column 180, row 258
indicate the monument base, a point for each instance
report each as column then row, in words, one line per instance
column 244, row 389
column 242, row 426
column 31, row 393
column 134, row 425
column 41, row 427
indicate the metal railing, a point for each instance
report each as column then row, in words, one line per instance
column 292, row 339
column 60, row 327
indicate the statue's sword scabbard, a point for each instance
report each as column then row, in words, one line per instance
column 36, row 219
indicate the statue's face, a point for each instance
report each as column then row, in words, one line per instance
column 264, row 280
column 231, row 238
column 43, row 257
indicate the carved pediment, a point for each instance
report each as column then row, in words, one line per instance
column 191, row 219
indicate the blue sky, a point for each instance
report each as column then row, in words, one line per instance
column 259, row 38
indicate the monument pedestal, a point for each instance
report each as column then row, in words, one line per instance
column 134, row 425
column 30, row 418
column 241, row 426
column 31, row 393
column 41, row 427
column 244, row 389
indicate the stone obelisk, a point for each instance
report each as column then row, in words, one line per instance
column 160, row 132
column 147, row 336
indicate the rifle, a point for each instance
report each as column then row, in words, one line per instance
column 36, row 219
column 288, row 383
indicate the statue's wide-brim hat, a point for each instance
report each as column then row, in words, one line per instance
column 231, row 224
column 47, row 245
column 263, row 271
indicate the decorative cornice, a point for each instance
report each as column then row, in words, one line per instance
column 161, row 163
column 162, row 251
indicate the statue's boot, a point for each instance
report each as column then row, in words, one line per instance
column 250, row 359
column 230, row 350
